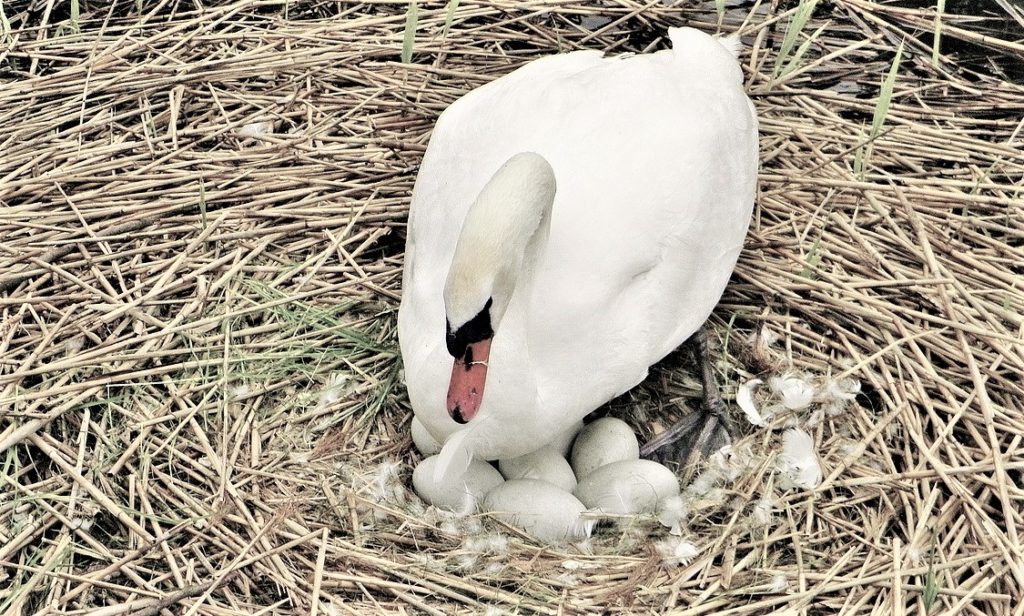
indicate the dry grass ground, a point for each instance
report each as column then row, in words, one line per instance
column 201, row 232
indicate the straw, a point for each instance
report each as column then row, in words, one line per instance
column 202, row 215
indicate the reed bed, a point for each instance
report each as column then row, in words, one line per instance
column 202, row 218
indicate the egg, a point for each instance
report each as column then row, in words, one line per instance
column 602, row 442
column 545, row 464
column 424, row 441
column 461, row 494
column 543, row 510
column 627, row 486
column 562, row 443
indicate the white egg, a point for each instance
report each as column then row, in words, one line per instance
column 544, row 511
column 545, row 464
column 562, row 443
column 628, row 486
column 461, row 494
column 424, row 441
column 602, row 442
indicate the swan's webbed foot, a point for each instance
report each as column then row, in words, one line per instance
column 702, row 432
column 693, row 437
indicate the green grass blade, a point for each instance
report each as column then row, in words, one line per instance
column 793, row 30
column 812, row 260
column 858, row 161
column 885, row 94
column 931, row 586
column 720, row 9
column 794, row 62
column 449, row 16
column 411, row 17
column 878, row 118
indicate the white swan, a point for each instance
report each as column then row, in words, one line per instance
column 572, row 223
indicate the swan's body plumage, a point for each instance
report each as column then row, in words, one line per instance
column 655, row 159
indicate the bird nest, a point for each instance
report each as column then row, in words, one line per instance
column 201, row 404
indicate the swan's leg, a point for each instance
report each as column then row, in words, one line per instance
column 702, row 432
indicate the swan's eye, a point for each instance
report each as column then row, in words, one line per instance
column 476, row 329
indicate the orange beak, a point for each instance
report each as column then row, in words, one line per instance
column 469, row 374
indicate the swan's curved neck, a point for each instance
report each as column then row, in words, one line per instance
column 499, row 245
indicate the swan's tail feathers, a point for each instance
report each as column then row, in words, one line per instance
column 731, row 42
column 698, row 51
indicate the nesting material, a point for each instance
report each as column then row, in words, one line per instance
column 672, row 513
column 745, row 400
column 813, row 397
column 676, row 551
column 601, row 442
column 798, row 463
column 837, row 395
column 460, row 494
column 845, row 389
column 542, row 510
column 627, row 487
column 894, row 260
column 796, row 392
column 484, row 552
column 333, row 391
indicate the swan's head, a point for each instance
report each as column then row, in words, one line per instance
column 497, row 245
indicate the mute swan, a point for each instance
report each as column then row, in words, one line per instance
column 572, row 223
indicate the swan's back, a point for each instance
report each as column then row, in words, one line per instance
column 655, row 158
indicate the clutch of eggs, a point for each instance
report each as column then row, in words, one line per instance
column 547, row 495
